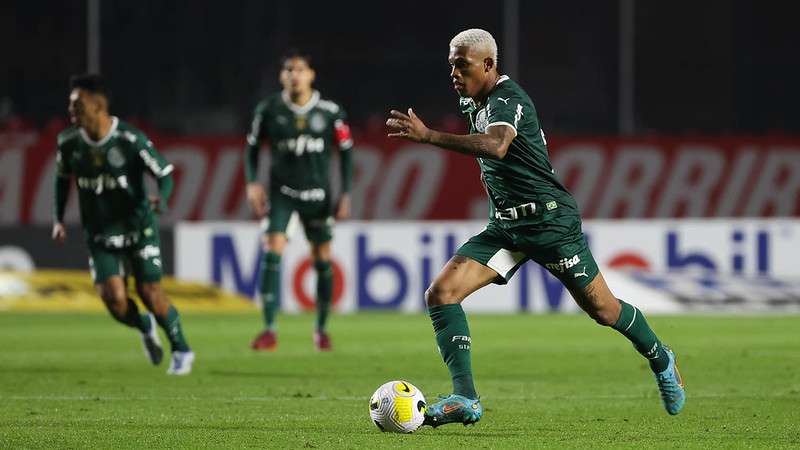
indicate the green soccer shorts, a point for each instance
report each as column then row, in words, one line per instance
column 142, row 259
column 558, row 245
column 315, row 214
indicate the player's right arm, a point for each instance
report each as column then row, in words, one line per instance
column 491, row 145
column 256, row 195
column 61, row 185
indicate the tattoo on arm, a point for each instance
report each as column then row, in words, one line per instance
column 493, row 145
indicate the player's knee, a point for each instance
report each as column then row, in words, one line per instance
column 441, row 294
column 275, row 250
column 153, row 297
column 116, row 302
column 603, row 316
column 147, row 292
column 274, row 243
column 602, row 312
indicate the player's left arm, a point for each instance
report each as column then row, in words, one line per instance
column 491, row 145
column 344, row 140
column 160, row 169
column 61, row 193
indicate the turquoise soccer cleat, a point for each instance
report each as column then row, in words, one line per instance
column 453, row 409
column 670, row 384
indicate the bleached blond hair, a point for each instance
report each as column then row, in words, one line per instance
column 476, row 38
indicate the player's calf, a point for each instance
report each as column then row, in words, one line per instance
column 151, row 343
column 597, row 301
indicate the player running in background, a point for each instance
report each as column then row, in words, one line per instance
column 108, row 159
column 302, row 129
column 532, row 216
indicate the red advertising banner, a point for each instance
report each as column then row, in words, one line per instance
column 396, row 180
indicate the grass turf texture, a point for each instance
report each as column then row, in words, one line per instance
column 80, row 380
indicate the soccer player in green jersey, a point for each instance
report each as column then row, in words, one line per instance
column 532, row 216
column 302, row 130
column 108, row 159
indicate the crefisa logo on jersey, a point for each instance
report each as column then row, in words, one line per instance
column 317, row 123
column 563, row 264
column 115, row 158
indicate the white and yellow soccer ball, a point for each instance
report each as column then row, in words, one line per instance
column 397, row 407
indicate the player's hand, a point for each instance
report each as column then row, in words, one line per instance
column 343, row 207
column 257, row 198
column 155, row 203
column 59, row 232
column 408, row 126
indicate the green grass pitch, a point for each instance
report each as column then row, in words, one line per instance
column 552, row 381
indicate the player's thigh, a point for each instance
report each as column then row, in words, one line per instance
column 317, row 222
column 568, row 258
column 105, row 263
column 114, row 293
column 459, row 278
column 563, row 251
column 280, row 211
column 571, row 262
column 321, row 251
column 274, row 242
column 145, row 259
column 153, row 297
column 494, row 248
column 488, row 257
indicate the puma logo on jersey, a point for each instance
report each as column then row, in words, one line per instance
column 582, row 274
column 504, row 100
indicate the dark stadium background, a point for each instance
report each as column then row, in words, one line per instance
column 199, row 67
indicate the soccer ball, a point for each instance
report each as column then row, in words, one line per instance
column 397, row 407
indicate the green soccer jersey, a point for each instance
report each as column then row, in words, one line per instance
column 109, row 175
column 301, row 142
column 524, row 175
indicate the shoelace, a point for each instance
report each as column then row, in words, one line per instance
column 667, row 386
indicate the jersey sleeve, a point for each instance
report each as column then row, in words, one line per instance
column 151, row 158
column 505, row 111
column 62, row 163
column 341, row 131
column 258, row 131
column 61, row 183
column 344, row 140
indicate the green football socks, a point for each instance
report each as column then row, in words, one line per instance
column 171, row 324
column 269, row 287
column 632, row 325
column 454, row 341
column 324, row 292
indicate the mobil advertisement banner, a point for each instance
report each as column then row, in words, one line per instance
column 652, row 177
column 664, row 266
